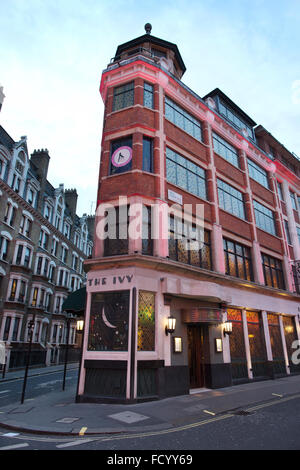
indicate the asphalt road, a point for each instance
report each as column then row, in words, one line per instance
column 11, row 391
column 266, row 427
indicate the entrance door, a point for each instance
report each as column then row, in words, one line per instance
column 196, row 355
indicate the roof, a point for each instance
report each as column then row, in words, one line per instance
column 75, row 302
column 230, row 103
column 5, row 139
column 153, row 40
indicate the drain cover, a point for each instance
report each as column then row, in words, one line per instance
column 242, row 413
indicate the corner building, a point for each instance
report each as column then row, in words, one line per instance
column 162, row 145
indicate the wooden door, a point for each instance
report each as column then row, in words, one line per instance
column 196, row 355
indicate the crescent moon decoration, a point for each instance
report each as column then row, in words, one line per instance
column 109, row 325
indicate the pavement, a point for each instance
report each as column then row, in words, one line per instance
column 57, row 413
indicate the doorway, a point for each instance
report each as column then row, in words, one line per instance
column 197, row 356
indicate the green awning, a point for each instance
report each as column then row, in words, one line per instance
column 75, row 302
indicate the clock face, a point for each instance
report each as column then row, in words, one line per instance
column 122, row 156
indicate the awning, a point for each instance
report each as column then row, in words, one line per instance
column 75, row 302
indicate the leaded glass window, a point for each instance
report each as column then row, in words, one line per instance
column 116, row 242
column 109, row 319
column 226, row 150
column 147, row 242
column 182, row 119
column 231, row 200
column 257, row 344
column 237, row 260
column 237, row 345
column 257, row 173
column 293, row 199
column 290, row 335
column 273, row 273
column 264, row 218
column 185, row 174
column 182, row 248
column 276, row 343
column 148, row 95
column 146, row 321
column 234, row 119
column 123, row 96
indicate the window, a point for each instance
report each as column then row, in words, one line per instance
column 147, row 242
column 16, row 329
column 237, row 260
column 146, row 321
column 117, row 228
column 6, row 328
column 47, row 212
column 293, row 199
column 75, row 261
column 298, row 233
column 25, row 226
column 279, row 187
column 64, row 253
column 31, row 196
column 231, row 200
column 182, row 248
column 148, row 95
column 4, row 244
column 54, row 246
column 185, row 174
column 22, row 255
column 13, row 290
column 67, row 230
column 264, row 218
column 258, row 174
column 34, row 297
column 123, row 96
column 148, row 154
column 273, row 273
column 183, row 119
column 287, row 231
column 44, row 239
column 234, row 119
column 226, row 150
column 10, row 214
column 121, row 155
column 109, row 308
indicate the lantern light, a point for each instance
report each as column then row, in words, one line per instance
column 227, row 328
column 170, row 327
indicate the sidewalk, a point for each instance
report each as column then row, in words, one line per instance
column 57, row 412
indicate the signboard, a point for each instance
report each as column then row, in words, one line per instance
column 202, row 315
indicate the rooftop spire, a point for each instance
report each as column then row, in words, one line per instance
column 148, row 28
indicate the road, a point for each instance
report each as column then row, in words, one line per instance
column 271, row 426
column 46, row 382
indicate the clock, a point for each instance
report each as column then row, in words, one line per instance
column 122, row 156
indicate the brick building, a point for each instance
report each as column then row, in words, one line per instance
column 162, row 145
column 43, row 244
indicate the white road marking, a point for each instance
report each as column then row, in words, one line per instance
column 5, row 391
column 11, row 434
column 15, row 446
column 78, row 442
column 209, row 412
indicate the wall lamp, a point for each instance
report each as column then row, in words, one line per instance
column 170, row 327
column 227, row 328
column 79, row 326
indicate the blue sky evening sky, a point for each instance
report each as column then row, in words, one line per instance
column 52, row 54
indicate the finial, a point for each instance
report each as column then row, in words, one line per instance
column 148, row 28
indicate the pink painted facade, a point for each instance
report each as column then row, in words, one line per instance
column 245, row 271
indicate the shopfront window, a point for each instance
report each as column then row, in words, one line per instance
column 276, row 344
column 257, row 344
column 146, row 321
column 109, row 320
column 290, row 335
column 237, row 345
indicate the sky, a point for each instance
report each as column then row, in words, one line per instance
column 52, row 54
